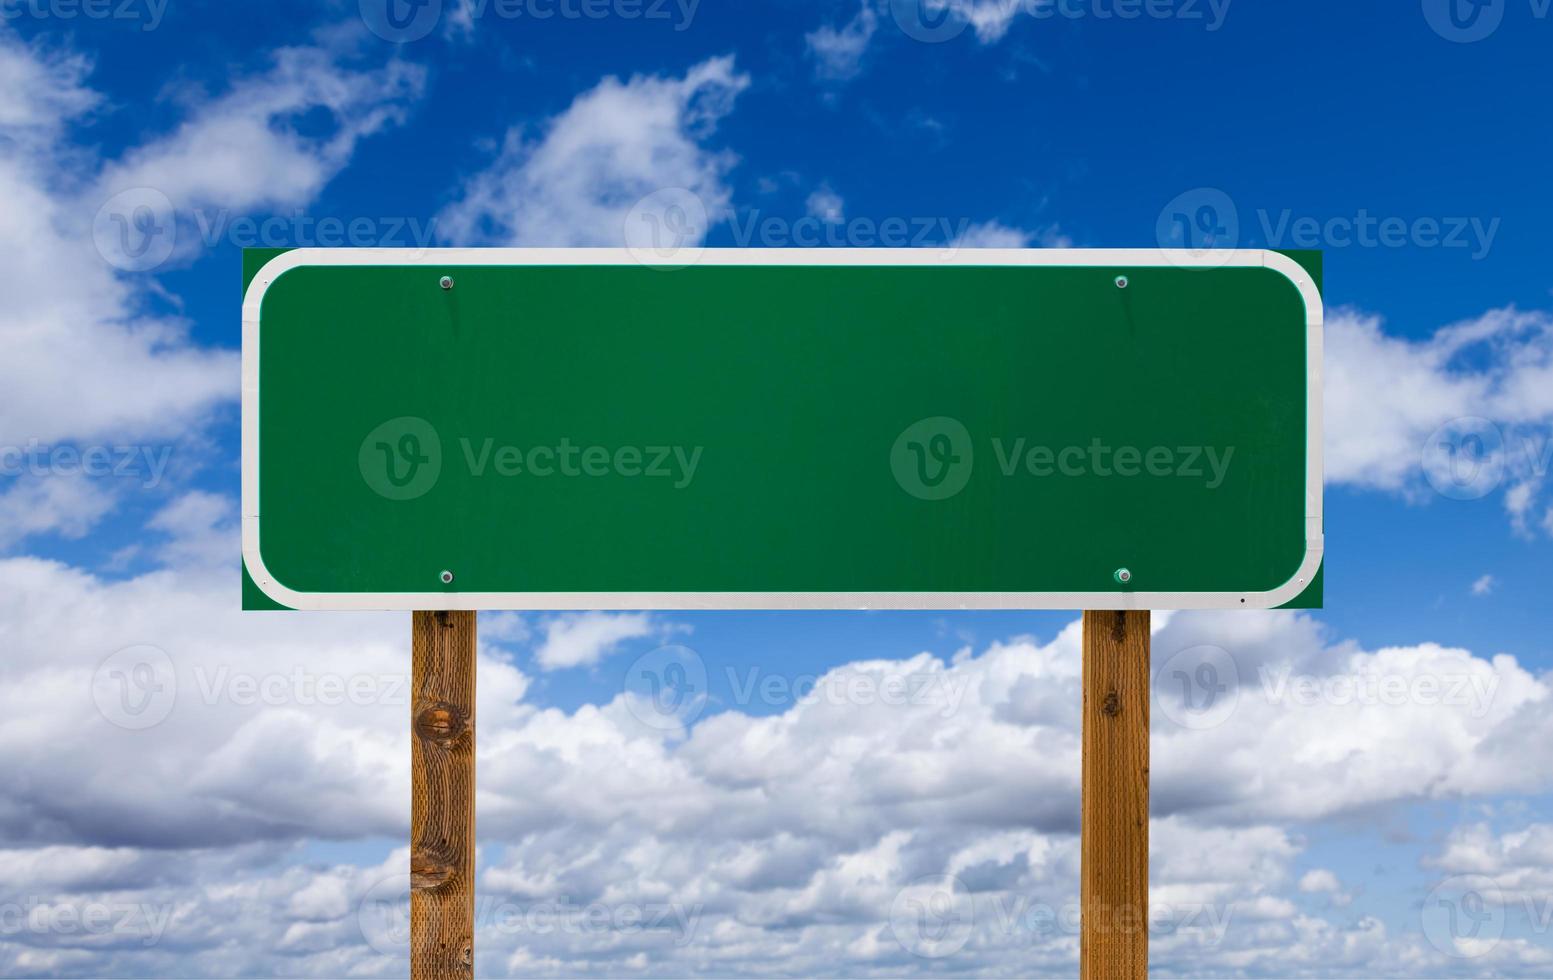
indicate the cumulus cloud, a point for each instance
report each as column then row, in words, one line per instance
column 1465, row 412
column 91, row 360
column 583, row 639
column 783, row 834
column 578, row 180
column 248, row 149
column 65, row 505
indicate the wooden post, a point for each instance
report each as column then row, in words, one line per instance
column 1114, row 891
column 442, row 801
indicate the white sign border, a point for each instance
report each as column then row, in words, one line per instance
column 1119, row 259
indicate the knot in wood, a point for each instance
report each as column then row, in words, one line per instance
column 441, row 722
column 1111, row 705
column 431, row 868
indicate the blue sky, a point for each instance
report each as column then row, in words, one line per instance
column 790, row 822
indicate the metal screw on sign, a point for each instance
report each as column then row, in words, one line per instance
column 447, row 577
column 1121, row 282
column 446, row 282
column 1123, row 576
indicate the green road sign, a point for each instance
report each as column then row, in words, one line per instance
column 796, row 428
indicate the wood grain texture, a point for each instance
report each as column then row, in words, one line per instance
column 442, row 808
column 1114, row 894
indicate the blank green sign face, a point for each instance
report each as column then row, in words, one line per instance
column 811, row 428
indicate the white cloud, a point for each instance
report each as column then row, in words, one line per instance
column 995, row 234
column 65, row 505
column 768, row 833
column 826, row 205
column 277, row 726
column 583, row 639
column 82, row 361
column 838, row 52
column 45, row 91
column 87, row 359
column 1484, row 585
column 1519, row 861
column 246, row 150
column 1468, row 410
column 616, row 144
